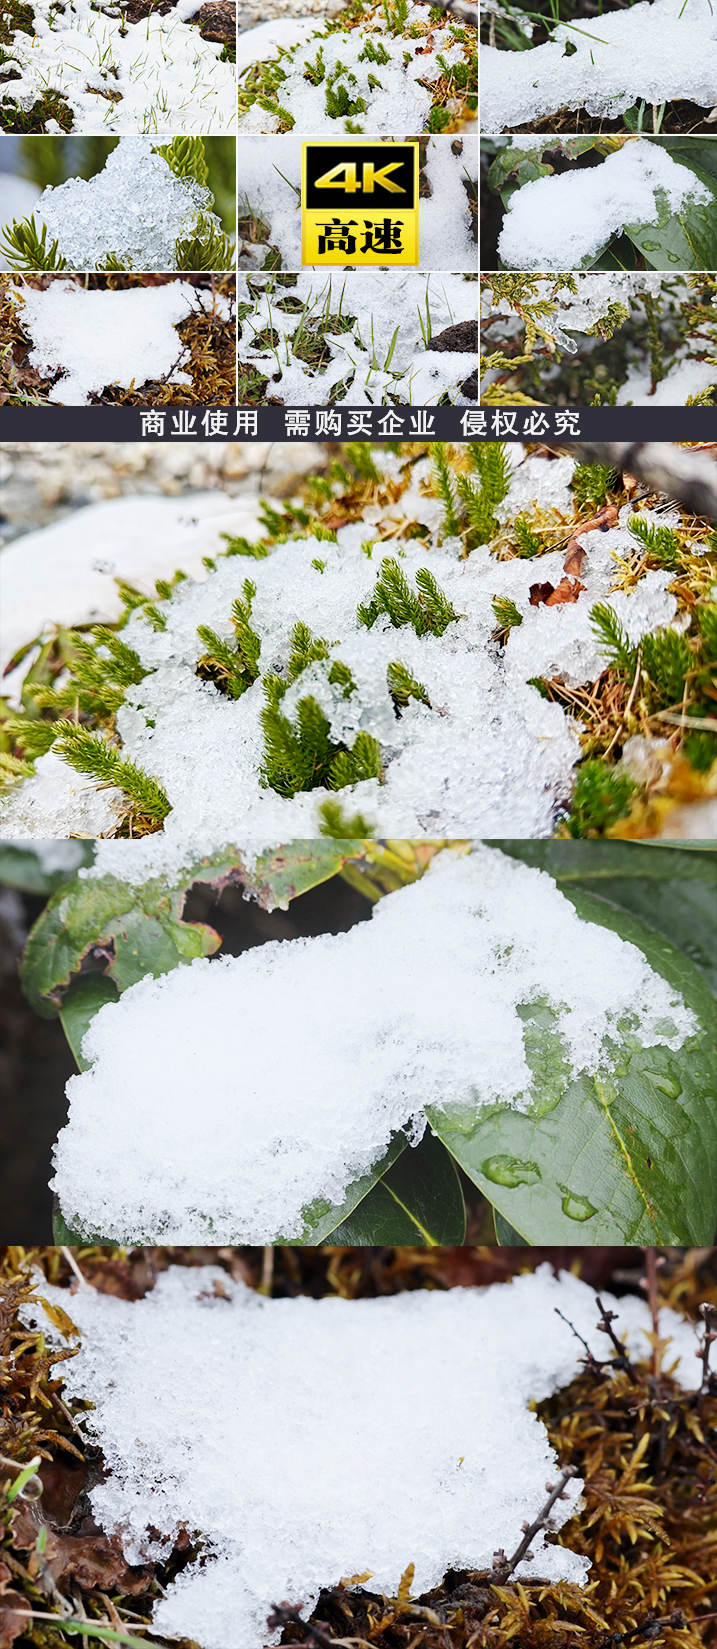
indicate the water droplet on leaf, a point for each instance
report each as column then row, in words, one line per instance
column 510, row 1171
column 575, row 1207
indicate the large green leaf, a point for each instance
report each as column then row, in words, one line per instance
column 691, row 151
column 22, row 867
column 322, row 1217
column 629, row 1160
column 86, row 995
column 686, row 239
column 140, row 928
column 673, row 889
column 418, row 1202
column 618, row 253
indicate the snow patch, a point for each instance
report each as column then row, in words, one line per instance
column 96, row 339
column 562, row 221
column 658, row 51
column 384, row 1458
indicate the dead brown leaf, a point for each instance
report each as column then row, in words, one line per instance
column 574, row 559
column 567, row 590
column 540, row 592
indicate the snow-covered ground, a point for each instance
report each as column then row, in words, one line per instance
column 658, row 51
column 385, row 1457
column 486, row 754
column 379, row 72
column 445, row 223
column 101, row 338
column 690, row 363
column 418, row 1009
column 385, row 349
column 157, row 75
column 563, row 221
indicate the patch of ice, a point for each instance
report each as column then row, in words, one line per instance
column 414, row 1009
column 100, row 338
column 157, row 75
column 445, row 232
column 563, row 221
column 384, row 1458
column 658, row 51
column 135, row 209
column 53, row 855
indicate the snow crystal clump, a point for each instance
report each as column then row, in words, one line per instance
column 417, row 1007
column 96, row 339
column 563, row 221
column 135, row 210
column 383, row 1457
column 657, row 51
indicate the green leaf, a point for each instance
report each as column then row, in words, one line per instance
column 86, row 996
column 21, row 867
column 673, row 889
column 142, row 928
column 63, row 1236
column 418, row 1202
column 321, row 1219
column 618, row 253
column 632, row 1159
column 506, row 1234
column 686, row 239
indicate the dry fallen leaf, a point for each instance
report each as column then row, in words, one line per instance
column 568, row 590
column 575, row 557
column 540, row 592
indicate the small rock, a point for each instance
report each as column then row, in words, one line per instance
column 217, row 20
column 461, row 338
column 469, row 387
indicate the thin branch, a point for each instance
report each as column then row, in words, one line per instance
column 708, row 1314
column 503, row 1566
column 605, row 1325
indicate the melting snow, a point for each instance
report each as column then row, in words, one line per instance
column 393, row 98
column 563, row 221
column 158, row 75
column 489, row 755
column 659, row 52
column 383, row 1457
column 416, row 1008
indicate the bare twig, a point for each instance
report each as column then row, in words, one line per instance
column 708, row 1314
column 591, row 1361
column 605, row 1325
column 503, row 1566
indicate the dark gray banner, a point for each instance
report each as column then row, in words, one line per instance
column 359, row 423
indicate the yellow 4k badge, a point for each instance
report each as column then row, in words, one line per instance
column 359, row 203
